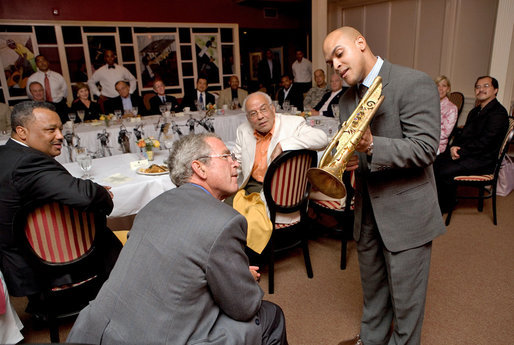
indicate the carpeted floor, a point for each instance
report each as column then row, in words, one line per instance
column 470, row 296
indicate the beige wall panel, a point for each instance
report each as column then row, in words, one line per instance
column 430, row 37
column 473, row 43
column 377, row 28
column 354, row 17
column 403, row 32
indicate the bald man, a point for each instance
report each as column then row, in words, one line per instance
column 396, row 210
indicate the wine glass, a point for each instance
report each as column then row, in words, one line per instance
column 134, row 111
column 335, row 110
column 168, row 106
column 84, row 161
column 81, row 114
column 72, row 117
column 118, row 114
column 168, row 142
column 286, row 106
column 162, row 109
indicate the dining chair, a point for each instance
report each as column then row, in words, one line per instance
column 343, row 213
column 59, row 243
column 286, row 191
column 456, row 98
column 483, row 181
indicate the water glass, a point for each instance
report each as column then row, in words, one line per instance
column 72, row 117
column 168, row 106
column 84, row 161
column 162, row 109
column 134, row 111
column 335, row 110
column 118, row 114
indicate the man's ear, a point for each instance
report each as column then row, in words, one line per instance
column 199, row 169
column 360, row 42
column 21, row 132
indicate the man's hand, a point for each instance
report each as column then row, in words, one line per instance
column 353, row 163
column 254, row 271
column 454, row 152
column 276, row 152
column 108, row 188
column 365, row 141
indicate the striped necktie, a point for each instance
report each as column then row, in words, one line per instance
column 48, row 91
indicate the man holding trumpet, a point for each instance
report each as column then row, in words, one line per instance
column 396, row 210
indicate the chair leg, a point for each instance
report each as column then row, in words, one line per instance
column 449, row 216
column 344, row 243
column 480, row 199
column 271, row 269
column 494, row 208
column 307, row 258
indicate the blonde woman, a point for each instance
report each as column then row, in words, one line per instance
column 448, row 111
column 83, row 102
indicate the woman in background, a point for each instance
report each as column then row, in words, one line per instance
column 82, row 102
column 448, row 111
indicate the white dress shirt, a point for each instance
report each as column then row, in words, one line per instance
column 58, row 86
column 108, row 77
column 302, row 71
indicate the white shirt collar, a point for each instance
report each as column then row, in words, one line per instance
column 374, row 72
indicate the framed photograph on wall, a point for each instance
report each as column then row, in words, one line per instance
column 17, row 59
column 255, row 58
column 97, row 44
column 207, row 51
column 158, row 59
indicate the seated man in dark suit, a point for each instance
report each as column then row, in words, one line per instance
column 290, row 92
column 37, row 93
column 183, row 276
column 30, row 177
column 162, row 98
column 324, row 106
column 198, row 96
column 125, row 101
column 475, row 150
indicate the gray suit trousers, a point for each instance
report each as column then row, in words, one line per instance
column 394, row 287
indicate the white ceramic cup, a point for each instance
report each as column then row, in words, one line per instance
column 186, row 109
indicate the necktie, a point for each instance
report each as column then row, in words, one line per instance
column 48, row 92
column 163, row 98
column 201, row 101
column 362, row 90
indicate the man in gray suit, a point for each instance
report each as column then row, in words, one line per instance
column 183, row 276
column 396, row 211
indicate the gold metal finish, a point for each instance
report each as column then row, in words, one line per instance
column 327, row 178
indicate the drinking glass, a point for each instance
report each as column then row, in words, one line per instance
column 335, row 110
column 72, row 117
column 118, row 114
column 81, row 114
column 286, row 105
column 84, row 161
column 134, row 111
column 168, row 142
column 168, row 106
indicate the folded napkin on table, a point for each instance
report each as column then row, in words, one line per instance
column 117, row 179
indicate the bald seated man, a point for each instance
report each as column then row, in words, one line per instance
column 232, row 96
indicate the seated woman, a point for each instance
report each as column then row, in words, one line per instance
column 82, row 102
column 448, row 111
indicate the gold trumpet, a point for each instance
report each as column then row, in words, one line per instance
column 327, row 178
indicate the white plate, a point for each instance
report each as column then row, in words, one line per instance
column 141, row 171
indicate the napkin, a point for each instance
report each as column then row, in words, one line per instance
column 117, row 179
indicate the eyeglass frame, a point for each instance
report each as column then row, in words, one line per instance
column 264, row 109
column 224, row 155
column 485, row 86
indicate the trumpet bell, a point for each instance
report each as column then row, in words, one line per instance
column 327, row 182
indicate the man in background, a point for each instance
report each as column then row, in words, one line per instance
column 269, row 73
column 107, row 76
column 396, row 211
column 206, row 293
column 290, row 92
column 54, row 86
column 161, row 98
column 199, row 98
column 315, row 93
column 475, row 150
column 302, row 72
column 331, row 98
column 232, row 96
column 37, row 92
column 125, row 101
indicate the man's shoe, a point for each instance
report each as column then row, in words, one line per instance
column 355, row 341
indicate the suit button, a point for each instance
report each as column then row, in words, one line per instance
column 257, row 322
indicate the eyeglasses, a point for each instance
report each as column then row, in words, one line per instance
column 264, row 110
column 485, row 86
column 223, row 156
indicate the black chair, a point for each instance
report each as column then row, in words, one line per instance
column 483, row 181
column 343, row 213
column 286, row 191
column 59, row 242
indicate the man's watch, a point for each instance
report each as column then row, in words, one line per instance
column 369, row 151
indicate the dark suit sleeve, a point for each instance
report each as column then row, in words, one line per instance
column 230, row 281
column 39, row 178
column 138, row 102
column 189, row 101
column 154, row 105
column 322, row 101
column 210, row 98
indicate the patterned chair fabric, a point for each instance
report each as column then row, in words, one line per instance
column 60, row 234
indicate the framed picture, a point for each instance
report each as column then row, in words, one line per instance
column 208, row 54
column 157, row 58
column 17, row 59
column 97, row 44
column 255, row 58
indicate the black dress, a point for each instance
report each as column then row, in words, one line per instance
column 92, row 113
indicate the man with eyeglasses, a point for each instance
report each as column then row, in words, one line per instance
column 183, row 276
column 476, row 149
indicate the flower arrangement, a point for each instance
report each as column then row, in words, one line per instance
column 148, row 143
column 106, row 118
column 210, row 109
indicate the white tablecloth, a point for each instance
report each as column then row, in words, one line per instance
column 129, row 196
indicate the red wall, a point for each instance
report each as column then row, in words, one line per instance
column 184, row 11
